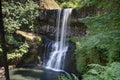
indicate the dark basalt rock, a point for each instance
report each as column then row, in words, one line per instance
column 46, row 23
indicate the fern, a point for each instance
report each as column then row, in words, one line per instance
column 67, row 76
column 110, row 72
column 101, row 48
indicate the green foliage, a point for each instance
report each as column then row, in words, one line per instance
column 19, row 16
column 98, row 72
column 18, row 52
column 101, row 48
column 106, row 6
column 102, row 23
column 68, row 77
column 69, row 3
column 102, row 42
column 11, row 41
column 22, row 16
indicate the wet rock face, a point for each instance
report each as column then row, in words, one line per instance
column 70, row 65
column 46, row 23
column 46, row 48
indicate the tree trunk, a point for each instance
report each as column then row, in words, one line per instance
column 3, row 45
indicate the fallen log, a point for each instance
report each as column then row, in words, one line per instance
column 29, row 36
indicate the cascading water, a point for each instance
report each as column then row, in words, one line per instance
column 60, row 47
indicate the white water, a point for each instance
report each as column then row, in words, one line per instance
column 60, row 47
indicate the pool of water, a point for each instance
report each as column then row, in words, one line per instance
column 38, row 73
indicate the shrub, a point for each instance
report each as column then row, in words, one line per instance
column 17, row 15
column 101, row 48
column 98, row 72
column 102, row 23
column 18, row 52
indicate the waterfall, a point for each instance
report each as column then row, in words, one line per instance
column 60, row 47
